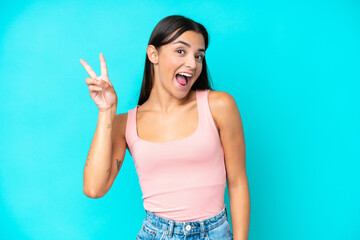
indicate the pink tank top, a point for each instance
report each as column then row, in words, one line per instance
column 184, row 179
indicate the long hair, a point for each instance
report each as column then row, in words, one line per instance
column 158, row 38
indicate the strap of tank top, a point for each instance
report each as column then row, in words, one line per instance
column 200, row 97
column 205, row 110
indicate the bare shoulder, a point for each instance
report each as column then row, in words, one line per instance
column 222, row 106
column 220, row 98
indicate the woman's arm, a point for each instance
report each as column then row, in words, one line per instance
column 227, row 116
column 106, row 154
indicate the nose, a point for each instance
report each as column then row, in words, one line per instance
column 190, row 62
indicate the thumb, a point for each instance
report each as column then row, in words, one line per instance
column 105, row 80
column 103, row 83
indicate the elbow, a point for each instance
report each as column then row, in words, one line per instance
column 92, row 193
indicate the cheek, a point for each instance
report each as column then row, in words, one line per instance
column 164, row 67
column 168, row 65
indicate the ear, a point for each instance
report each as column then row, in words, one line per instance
column 152, row 54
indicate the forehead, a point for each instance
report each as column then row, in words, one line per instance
column 196, row 40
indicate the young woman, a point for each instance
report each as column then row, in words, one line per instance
column 186, row 140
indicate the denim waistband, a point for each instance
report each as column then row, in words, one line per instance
column 189, row 227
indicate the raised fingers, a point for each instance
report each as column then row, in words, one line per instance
column 103, row 65
column 88, row 69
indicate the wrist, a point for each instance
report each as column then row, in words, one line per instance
column 111, row 112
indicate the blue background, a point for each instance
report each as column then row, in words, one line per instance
column 292, row 66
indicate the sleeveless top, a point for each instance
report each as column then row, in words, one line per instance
column 184, row 179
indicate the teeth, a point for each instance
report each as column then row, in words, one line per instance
column 186, row 74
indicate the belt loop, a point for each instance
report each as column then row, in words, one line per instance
column 171, row 229
column 202, row 227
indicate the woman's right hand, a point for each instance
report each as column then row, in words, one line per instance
column 100, row 88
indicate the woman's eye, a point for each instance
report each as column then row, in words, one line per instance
column 200, row 57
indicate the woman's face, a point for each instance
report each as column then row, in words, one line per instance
column 183, row 55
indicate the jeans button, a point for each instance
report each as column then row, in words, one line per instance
column 188, row 227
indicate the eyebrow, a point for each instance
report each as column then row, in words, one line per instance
column 185, row 43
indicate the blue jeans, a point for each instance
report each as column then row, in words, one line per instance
column 155, row 227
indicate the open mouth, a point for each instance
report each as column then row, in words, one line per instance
column 182, row 80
